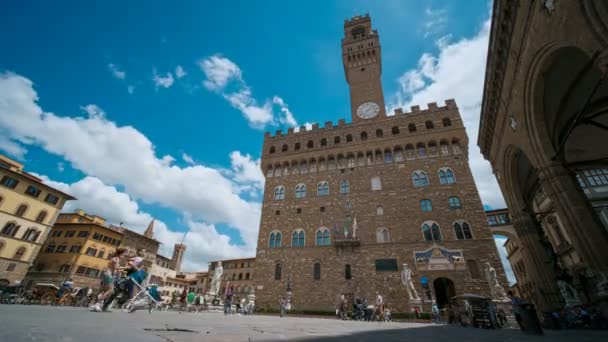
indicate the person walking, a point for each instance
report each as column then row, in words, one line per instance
column 183, row 300
column 228, row 302
column 282, row 306
column 516, row 303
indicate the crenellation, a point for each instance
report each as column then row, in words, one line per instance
column 398, row 111
column 328, row 124
column 302, row 129
column 451, row 104
column 432, row 106
column 415, row 109
column 278, row 133
column 341, row 123
column 290, row 130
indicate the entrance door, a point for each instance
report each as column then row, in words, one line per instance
column 444, row 290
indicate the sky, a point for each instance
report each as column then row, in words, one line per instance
column 157, row 109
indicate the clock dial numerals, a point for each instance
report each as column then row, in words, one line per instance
column 368, row 110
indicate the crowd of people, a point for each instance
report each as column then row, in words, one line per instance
column 362, row 310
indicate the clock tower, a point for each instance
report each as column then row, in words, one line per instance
column 362, row 66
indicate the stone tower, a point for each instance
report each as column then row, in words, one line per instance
column 178, row 256
column 149, row 233
column 363, row 67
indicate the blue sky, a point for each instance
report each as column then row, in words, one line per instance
column 187, row 88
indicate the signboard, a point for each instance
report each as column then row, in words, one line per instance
column 387, row 265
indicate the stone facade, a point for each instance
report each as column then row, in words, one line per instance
column 238, row 273
column 542, row 125
column 28, row 210
column 362, row 215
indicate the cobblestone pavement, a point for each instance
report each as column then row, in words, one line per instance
column 38, row 323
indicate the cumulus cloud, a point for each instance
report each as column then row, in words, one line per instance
column 246, row 171
column 93, row 111
column 458, row 72
column 188, row 158
column 116, row 72
column 224, row 77
column 163, row 81
column 131, row 89
column 435, row 21
column 122, row 155
column 180, row 72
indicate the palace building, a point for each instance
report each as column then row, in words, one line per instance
column 28, row 209
column 346, row 206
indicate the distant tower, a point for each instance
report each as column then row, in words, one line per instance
column 178, row 256
column 363, row 68
column 149, row 233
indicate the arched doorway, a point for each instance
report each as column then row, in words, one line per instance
column 444, row 290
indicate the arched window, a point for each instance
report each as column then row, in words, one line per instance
column 310, row 144
column 382, row 235
column 323, row 142
column 454, row 202
column 420, row 178
column 279, row 193
column 19, row 253
column 411, row 127
column 278, row 268
column 336, row 140
column 349, row 138
column 300, row 190
column 376, row 183
column 41, row 216
column 275, row 240
column 379, row 210
column 317, row 271
column 296, row 146
column 323, row 237
column 21, row 210
column 297, row 238
column 426, row 205
column 421, row 149
column 284, row 148
column 473, row 269
column 379, row 133
column 446, row 176
column 429, row 124
column 246, row 276
column 395, row 130
column 363, row 136
column 431, row 232
column 463, row 231
column 322, row 189
column 348, row 273
column 240, row 276
column 10, row 229
column 31, row 234
column 446, row 122
column 344, row 187
column 272, row 149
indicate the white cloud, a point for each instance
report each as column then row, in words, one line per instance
column 123, row 155
column 93, row 111
column 131, row 89
column 221, row 74
column 246, row 171
column 180, row 72
column 61, row 166
column 435, row 21
column 188, row 158
column 163, row 81
column 116, row 72
column 308, row 126
column 457, row 72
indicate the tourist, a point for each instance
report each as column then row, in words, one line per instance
column 435, row 312
column 109, row 276
column 228, row 302
column 182, row 300
column 516, row 303
column 197, row 303
column 190, row 300
column 282, row 306
column 379, row 306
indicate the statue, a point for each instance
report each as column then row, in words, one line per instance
column 568, row 293
column 497, row 291
column 406, row 279
column 289, row 284
column 217, row 279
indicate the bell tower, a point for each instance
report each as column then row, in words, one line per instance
column 361, row 56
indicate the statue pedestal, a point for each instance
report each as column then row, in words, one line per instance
column 288, row 306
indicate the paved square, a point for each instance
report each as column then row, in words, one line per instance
column 40, row 323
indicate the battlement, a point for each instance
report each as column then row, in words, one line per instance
column 357, row 20
column 399, row 112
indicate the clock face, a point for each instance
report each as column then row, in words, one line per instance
column 368, row 110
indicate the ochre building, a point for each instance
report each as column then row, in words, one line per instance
column 543, row 127
column 28, row 209
column 346, row 205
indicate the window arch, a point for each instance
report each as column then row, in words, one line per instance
column 376, row 183
column 379, row 210
column 421, row 150
column 363, row 136
column 21, row 210
column 272, row 149
column 431, row 231
column 336, row 140
column 240, row 278
column 382, row 235
column 462, row 230
column 19, row 253
column 426, row 205
column 395, row 130
column 429, row 124
column 300, row 190
column 296, row 146
column 279, row 193
column 10, row 228
column 323, row 237
column 454, row 202
column 344, row 187
column 446, row 176
column 247, row 276
column 278, row 269
column 31, row 234
column 275, row 240
column 317, row 271
column 379, row 133
column 420, row 178
column 323, row 142
column 411, row 127
column 41, row 216
column 297, row 238
column 446, row 122
column 349, row 138
column 310, row 144
column 323, row 188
